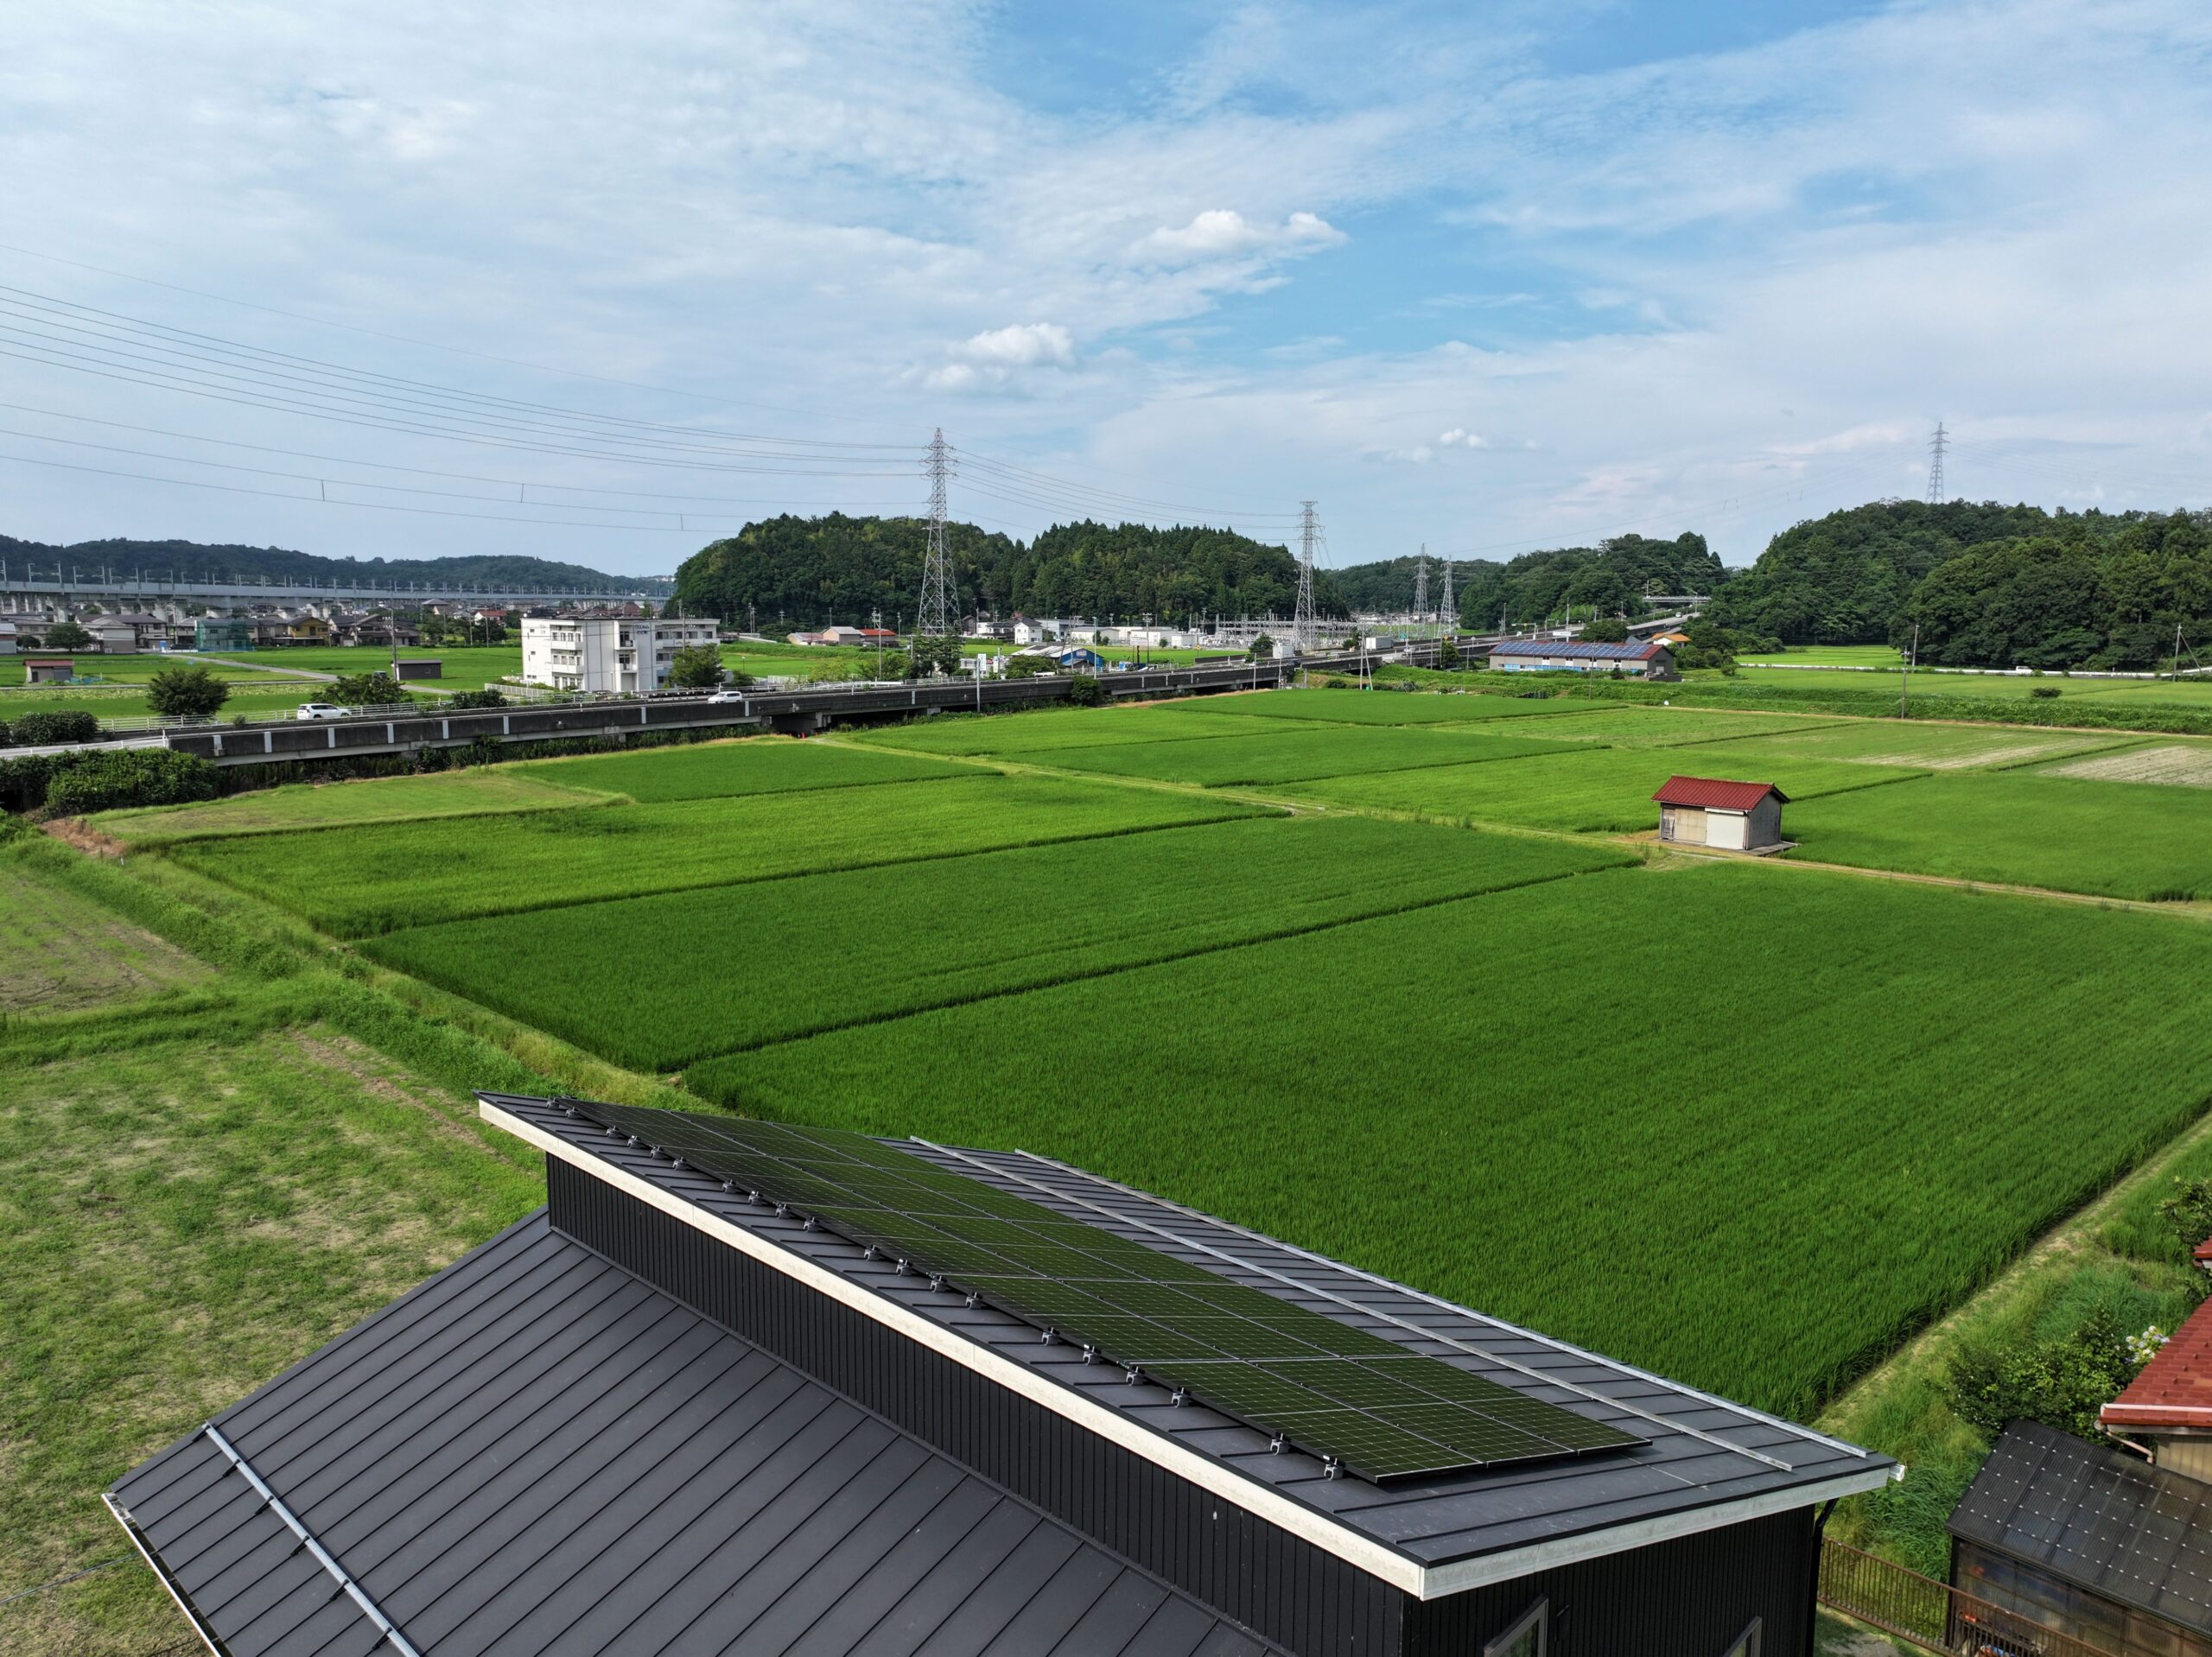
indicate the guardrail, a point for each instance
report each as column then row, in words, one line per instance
column 1932, row 1614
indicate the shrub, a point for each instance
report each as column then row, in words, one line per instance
column 479, row 751
column 127, row 777
column 2043, row 691
column 72, row 726
column 67, row 636
column 2188, row 1213
column 2060, row 1383
column 186, row 693
column 5, row 739
column 367, row 690
column 1083, row 691
column 485, row 698
column 695, row 667
column 22, row 781
column 1605, row 629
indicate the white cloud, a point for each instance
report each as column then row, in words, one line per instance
column 1458, row 438
column 1225, row 233
column 995, row 356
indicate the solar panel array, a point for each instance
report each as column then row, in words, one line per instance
column 1360, row 1403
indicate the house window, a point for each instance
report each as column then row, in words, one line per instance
column 1750, row 1643
column 1529, row 1637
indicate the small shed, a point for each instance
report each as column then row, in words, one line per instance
column 421, row 667
column 49, row 669
column 1710, row 811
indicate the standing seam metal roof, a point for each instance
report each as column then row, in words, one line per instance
column 1578, row 651
column 536, row 1453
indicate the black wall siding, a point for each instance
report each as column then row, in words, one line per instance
column 1688, row 1598
column 1284, row 1588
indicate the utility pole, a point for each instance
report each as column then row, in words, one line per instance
column 1936, row 445
column 1904, row 673
column 936, row 617
column 1309, row 530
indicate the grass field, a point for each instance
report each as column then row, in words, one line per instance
column 2172, row 765
column 119, row 669
column 1060, row 728
column 463, row 667
column 1832, row 656
column 1631, row 725
column 129, row 701
column 1294, row 751
column 764, row 764
column 2005, row 687
column 1602, row 791
column 325, row 805
column 1376, row 707
column 1925, row 745
column 1719, row 1145
column 60, row 951
column 602, row 975
column 2112, row 839
column 380, row 878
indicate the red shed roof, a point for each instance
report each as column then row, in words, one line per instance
column 2175, row 1389
column 1715, row 794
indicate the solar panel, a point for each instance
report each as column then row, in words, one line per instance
column 1361, row 1403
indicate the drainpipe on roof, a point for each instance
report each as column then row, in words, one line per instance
column 1813, row 1600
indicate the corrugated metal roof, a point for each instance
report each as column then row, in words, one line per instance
column 2175, row 1389
column 536, row 1454
column 1576, row 649
column 1707, row 1461
column 2097, row 1517
column 1714, row 794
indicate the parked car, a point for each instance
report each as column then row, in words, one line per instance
column 321, row 710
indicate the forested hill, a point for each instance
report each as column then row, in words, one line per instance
column 1612, row 576
column 190, row 560
column 808, row 571
column 1988, row 586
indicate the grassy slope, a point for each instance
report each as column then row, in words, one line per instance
column 2112, row 839
column 1293, row 751
column 322, row 805
column 1856, row 1085
column 1606, row 790
column 378, row 879
column 768, row 765
column 59, row 950
column 602, row 975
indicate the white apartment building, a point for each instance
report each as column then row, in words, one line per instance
column 620, row 654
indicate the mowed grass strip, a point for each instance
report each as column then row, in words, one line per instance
column 1059, row 727
column 331, row 805
column 2171, row 764
column 760, row 765
column 382, row 877
column 1744, row 1124
column 1630, row 725
column 605, row 976
column 1922, row 745
column 1378, row 706
column 60, row 951
column 2110, row 839
column 1295, row 750
column 1605, row 791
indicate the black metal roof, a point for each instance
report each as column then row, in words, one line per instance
column 1705, row 1463
column 535, row 1452
column 2098, row 1517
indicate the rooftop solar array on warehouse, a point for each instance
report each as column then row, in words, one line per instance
column 1355, row 1400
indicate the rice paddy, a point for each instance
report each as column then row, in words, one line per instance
column 379, row 877
column 1634, row 725
column 329, row 805
column 1287, row 755
column 1041, row 732
column 1922, row 745
column 1693, row 1083
column 765, row 764
column 603, row 976
column 2171, row 764
column 1377, row 706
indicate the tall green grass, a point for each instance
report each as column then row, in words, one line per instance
column 613, row 977
column 1293, row 751
column 2112, row 839
column 382, row 799
column 1046, row 729
column 380, row 878
column 1371, row 706
column 1746, row 1124
column 765, row 764
column 1606, row 790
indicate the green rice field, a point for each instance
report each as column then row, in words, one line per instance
column 1059, row 727
column 762, row 765
column 1674, row 1115
column 1601, row 790
column 2108, row 839
column 603, row 976
column 1926, row 746
column 463, row 667
column 1831, row 656
column 1286, row 755
column 1376, row 706
column 1634, row 725
column 379, row 877
column 335, row 805
column 2005, row 687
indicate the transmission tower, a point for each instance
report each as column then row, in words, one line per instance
column 1448, row 612
column 1309, row 531
column 937, row 617
column 1936, row 445
column 1420, row 583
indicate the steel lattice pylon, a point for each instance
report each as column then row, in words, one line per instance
column 1309, row 530
column 938, row 617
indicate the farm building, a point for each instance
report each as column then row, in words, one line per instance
column 1647, row 659
column 1734, row 816
column 743, row 1388
column 49, row 669
column 2088, row 1540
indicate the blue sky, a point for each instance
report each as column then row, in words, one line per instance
column 1484, row 276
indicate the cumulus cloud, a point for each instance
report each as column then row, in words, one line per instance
column 997, row 355
column 1457, row 438
column 1225, row 233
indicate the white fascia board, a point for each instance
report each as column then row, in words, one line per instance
column 1263, row 1501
